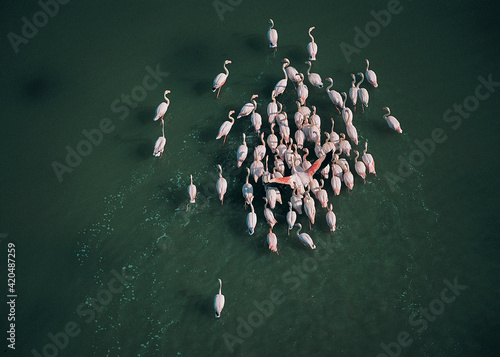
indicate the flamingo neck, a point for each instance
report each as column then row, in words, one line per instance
column 330, row 86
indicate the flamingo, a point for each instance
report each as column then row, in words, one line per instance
column 334, row 137
column 368, row 160
column 256, row 118
column 260, row 151
column 314, row 78
column 291, row 217
column 191, row 192
column 219, row 301
column 272, row 241
column 266, row 175
column 160, row 142
column 251, row 220
column 242, row 152
column 353, row 91
column 288, row 155
column 300, row 137
column 280, row 149
column 352, row 132
column 336, row 184
column 225, row 128
column 309, row 208
column 272, row 36
column 331, row 219
column 359, row 167
column 312, row 47
column 304, row 237
column 328, row 145
column 296, row 201
column 272, row 108
column 302, row 179
column 162, row 108
column 221, row 79
column 271, row 197
column 302, row 90
column 371, row 77
column 391, row 121
column 322, row 195
column 363, row 95
column 285, row 129
column 221, row 185
column 334, row 96
column 305, row 163
column 348, row 177
column 280, row 87
column 315, row 119
column 269, row 214
column 346, row 111
column 272, row 140
column 248, row 107
column 257, row 169
column 292, row 73
column 344, row 145
column 247, row 190
column 279, row 165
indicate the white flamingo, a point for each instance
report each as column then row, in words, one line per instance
column 348, row 177
column 359, row 167
column 247, row 190
column 248, row 107
column 352, row 132
column 268, row 214
column 160, row 142
column 251, row 220
column 300, row 137
column 346, row 111
column 280, row 87
column 285, row 129
column 219, row 301
column 272, row 108
column 272, row 36
column 312, row 47
column 272, row 241
column 302, row 90
column 306, row 164
column 314, row 78
column 334, row 137
column 334, row 96
column 344, row 145
column 392, row 122
column 322, row 195
column 260, row 150
column 331, row 219
column 225, row 128
column 272, row 140
column 256, row 118
column 221, row 185
column 162, row 108
column 363, row 95
column 315, row 119
column 280, row 149
column 279, row 165
column 304, row 237
column 297, row 202
column 191, row 192
column 291, row 217
column 242, row 152
column 368, row 160
column 309, row 208
column 220, row 79
column 292, row 73
column 371, row 77
column 336, row 183
column 328, row 145
column 353, row 91
column 257, row 169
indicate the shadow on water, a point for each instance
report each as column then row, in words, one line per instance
column 255, row 42
column 146, row 115
column 201, row 304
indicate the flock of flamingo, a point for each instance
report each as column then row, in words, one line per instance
column 289, row 167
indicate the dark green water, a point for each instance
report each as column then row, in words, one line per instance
column 121, row 210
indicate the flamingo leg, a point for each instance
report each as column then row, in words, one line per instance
column 187, row 206
column 225, row 136
column 218, row 91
